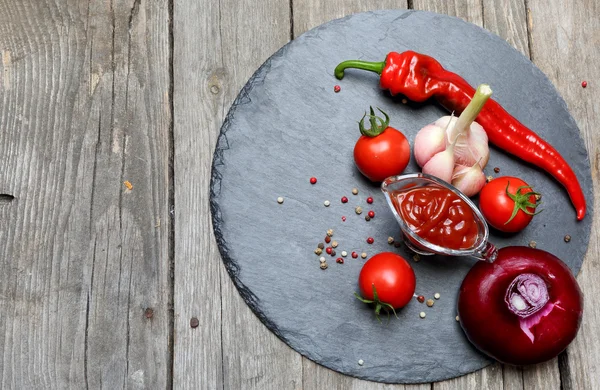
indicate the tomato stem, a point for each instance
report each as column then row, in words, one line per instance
column 522, row 201
column 378, row 304
column 376, row 128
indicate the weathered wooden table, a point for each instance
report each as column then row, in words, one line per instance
column 109, row 272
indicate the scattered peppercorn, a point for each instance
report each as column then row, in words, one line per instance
column 334, row 244
column 280, row 200
column 390, row 240
column 194, row 322
column 354, row 255
column 370, row 240
column 358, row 210
column 318, row 251
column 326, row 203
column 337, row 89
column 404, row 101
column 532, row 244
column 322, row 259
column 421, row 298
column 429, row 302
column 416, row 258
column 355, row 191
column 397, row 244
column 369, row 200
column 332, row 253
column 343, row 219
column 496, row 169
column 344, row 253
column 422, row 314
column 328, row 250
column 321, row 245
column 489, row 178
column 344, row 199
column 584, row 84
column 567, row 238
column 324, row 265
column 313, row 180
column 538, row 197
column 367, row 218
column 361, row 362
column 327, row 239
column 437, row 295
column 330, row 232
column 339, row 260
column 363, row 255
column 457, row 318
column 371, row 213
column 149, row 312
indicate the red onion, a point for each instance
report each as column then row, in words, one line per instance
column 524, row 308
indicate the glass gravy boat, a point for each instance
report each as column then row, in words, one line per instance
column 395, row 185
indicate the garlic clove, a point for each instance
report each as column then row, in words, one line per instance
column 429, row 141
column 441, row 165
column 468, row 180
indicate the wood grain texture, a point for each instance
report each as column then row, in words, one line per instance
column 85, row 106
column 469, row 10
column 567, row 50
column 231, row 347
column 508, row 19
column 312, row 13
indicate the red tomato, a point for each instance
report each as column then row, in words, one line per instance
column 381, row 151
column 393, row 278
column 498, row 203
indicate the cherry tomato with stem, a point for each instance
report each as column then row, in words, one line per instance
column 381, row 151
column 508, row 203
column 387, row 281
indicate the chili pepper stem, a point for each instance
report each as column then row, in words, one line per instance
column 376, row 67
column 482, row 94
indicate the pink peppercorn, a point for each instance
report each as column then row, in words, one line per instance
column 337, row 89
column 354, row 255
column 584, row 84
column 339, row 260
column 369, row 200
column 328, row 250
column 313, row 180
column 371, row 214
column 344, row 199
column 370, row 240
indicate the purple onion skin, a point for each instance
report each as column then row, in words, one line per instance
column 496, row 331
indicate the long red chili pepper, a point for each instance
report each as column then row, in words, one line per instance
column 420, row 77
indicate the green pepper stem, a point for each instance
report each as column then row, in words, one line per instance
column 376, row 67
column 469, row 114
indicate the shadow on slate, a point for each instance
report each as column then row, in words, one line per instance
column 287, row 125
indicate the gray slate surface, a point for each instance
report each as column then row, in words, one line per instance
column 288, row 125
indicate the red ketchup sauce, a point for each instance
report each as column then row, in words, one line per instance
column 438, row 216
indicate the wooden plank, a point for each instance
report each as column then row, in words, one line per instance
column 508, row 19
column 85, row 107
column 567, row 50
column 230, row 348
column 311, row 13
column 469, row 10
column 491, row 377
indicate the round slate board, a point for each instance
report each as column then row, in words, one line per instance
column 287, row 125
